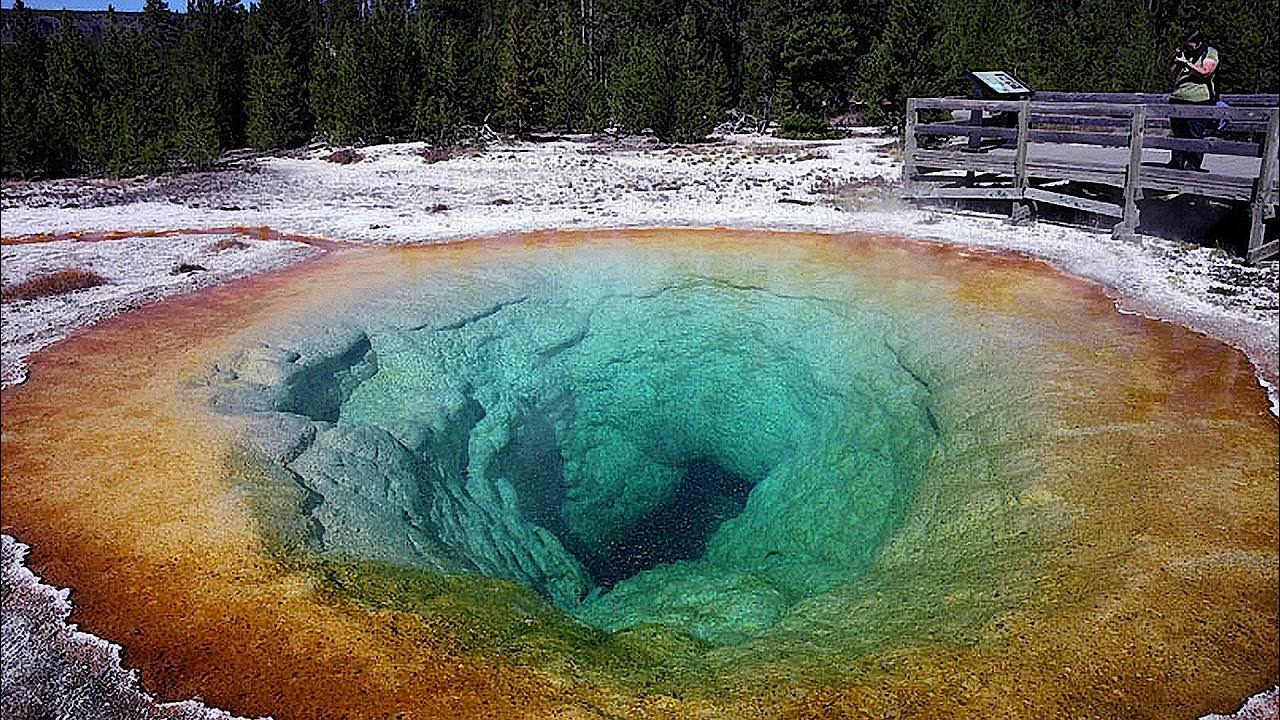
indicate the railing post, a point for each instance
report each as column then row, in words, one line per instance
column 1133, row 175
column 1263, row 195
column 975, row 140
column 1021, row 209
column 909, row 148
column 975, row 135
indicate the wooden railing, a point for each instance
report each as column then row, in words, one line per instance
column 998, row 165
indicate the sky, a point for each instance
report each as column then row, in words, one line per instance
column 129, row 5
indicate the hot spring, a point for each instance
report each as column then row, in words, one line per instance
column 666, row 447
column 658, row 474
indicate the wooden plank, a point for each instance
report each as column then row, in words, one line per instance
column 1263, row 197
column 1208, row 111
column 1096, row 97
column 1084, row 109
column 1242, row 110
column 1206, row 145
column 1153, row 111
column 1235, row 126
column 1081, row 138
column 962, row 161
column 959, row 130
column 1079, row 172
column 1265, row 100
column 1133, row 174
column 1245, row 126
column 1072, row 201
column 1244, row 100
column 1216, row 146
column 1206, row 184
column 965, row 104
column 909, row 146
column 1203, row 179
column 1013, row 105
column 950, row 176
column 1263, row 252
column 1023, row 134
column 1222, row 192
column 966, row 193
column 1157, row 111
column 1021, row 211
column 1268, row 100
column 1271, row 150
column 975, row 131
column 1084, row 120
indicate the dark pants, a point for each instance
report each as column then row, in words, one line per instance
column 1191, row 128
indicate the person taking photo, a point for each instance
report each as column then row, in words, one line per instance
column 1191, row 73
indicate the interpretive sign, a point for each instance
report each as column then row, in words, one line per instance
column 998, row 84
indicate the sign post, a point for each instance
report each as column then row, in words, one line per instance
column 994, row 85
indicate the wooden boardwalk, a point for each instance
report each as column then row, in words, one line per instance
column 1051, row 150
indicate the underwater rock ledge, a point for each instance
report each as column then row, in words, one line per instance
column 558, row 440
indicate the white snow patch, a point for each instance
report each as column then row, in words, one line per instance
column 1263, row 706
column 140, row 271
column 389, row 196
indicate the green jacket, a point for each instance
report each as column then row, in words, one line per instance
column 1190, row 88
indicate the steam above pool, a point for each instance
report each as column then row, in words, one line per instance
column 676, row 448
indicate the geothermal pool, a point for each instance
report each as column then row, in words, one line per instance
column 658, row 474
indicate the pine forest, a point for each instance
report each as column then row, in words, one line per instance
column 178, row 89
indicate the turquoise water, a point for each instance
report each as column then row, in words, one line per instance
column 690, row 452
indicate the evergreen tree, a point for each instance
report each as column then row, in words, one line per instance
column 322, row 88
column 726, row 25
column 575, row 101
column 152, row 86
column 1118, row 49
column 438, row 113
column 22, row 134
column 189, row 86
column 762, row 66
column 905, row 61
column 1235, row 28
column 279, row 69
column 986, row 35
column 569, row 78
column 340, row 96
column 389, row 64
column 1060, row 47
column 692, row 106
column 1269, row 57
column 211, row 49
column 518, row 80
column 65, row 107
column 815, row 62
column 202, row 110
column 637, row 88
column 120, row 113
column 276, row 107
column 158, row 25
column 347, row 120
